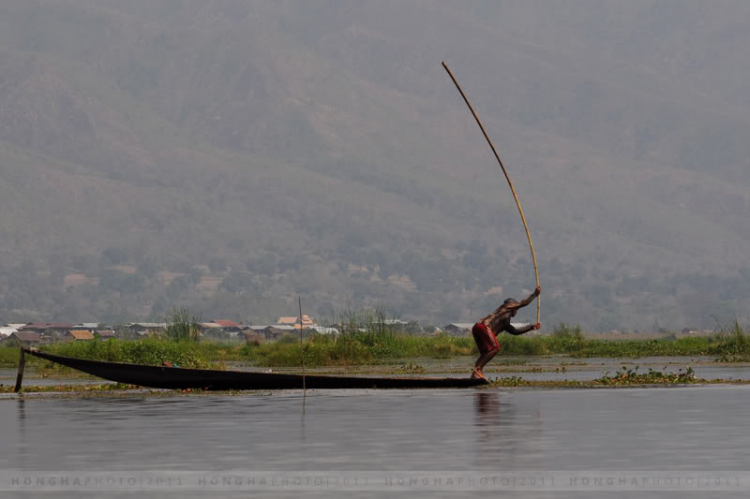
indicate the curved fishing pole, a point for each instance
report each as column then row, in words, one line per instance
column 513, row 190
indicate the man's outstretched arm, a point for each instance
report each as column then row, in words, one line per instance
column 531, row 297
column 523, row 330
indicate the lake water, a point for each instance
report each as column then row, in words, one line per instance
column 470, row 433
column 553, row 368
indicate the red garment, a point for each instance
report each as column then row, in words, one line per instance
column 486, row 341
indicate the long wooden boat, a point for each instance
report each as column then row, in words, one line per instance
column 207, row 379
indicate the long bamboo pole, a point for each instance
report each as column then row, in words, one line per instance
column 302, row 354
column 510, row 183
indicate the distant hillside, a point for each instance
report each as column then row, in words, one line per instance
column 230, row 156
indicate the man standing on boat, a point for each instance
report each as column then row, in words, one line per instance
column 486, row 330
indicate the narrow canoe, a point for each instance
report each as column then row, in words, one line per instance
column 208, row 379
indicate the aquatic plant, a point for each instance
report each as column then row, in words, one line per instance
column 627, row 376
column 182, row 325
column 733, row 340
column 410, row 368
column 70, row 388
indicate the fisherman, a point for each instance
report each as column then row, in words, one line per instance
column 486, row 330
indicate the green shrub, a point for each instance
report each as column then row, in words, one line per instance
column 566, row 331
column 150, row 351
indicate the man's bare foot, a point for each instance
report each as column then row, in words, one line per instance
column 478, row 374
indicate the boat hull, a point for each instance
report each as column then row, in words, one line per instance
column 208, row 379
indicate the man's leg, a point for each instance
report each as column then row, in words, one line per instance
column 487, row 345
column 481, row 362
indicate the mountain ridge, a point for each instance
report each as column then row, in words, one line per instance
column 273, row 148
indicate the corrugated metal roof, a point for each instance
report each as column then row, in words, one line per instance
column 49, row 325
column 226, row 323
column 324, row 330
column 283, row 327
column 88, row 325
column 27, row 336
column 7, row 331
column 280, row 327
column 395, row 322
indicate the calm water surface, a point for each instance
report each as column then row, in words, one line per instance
column 677, row 429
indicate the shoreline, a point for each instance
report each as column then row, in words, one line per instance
column 116, row 390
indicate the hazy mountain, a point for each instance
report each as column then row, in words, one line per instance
column 231, row 155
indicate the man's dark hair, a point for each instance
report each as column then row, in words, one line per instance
column 510, row 301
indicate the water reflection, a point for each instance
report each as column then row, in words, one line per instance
column 487, row 408
column 491, row 420
column 508, row 436
column 21, row 445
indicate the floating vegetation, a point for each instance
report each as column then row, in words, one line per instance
column 410, row 368
column 623, row 377
column 733, row 358
column 632, row 376
column 79, row 387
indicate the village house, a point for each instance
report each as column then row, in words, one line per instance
column 222, row 329
column 105, row 334
column 52, row 328
column 147, row 328
column 87, row 326
column 50, row 331
column 307, row 321
column 459, row 328
column 272, row 332
column 211, row 329
column 23, row 339
column 229, row 326
column 322, row 330
column 393, row 322
column 78, row 335
column 252, row 338
column 7, row 330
